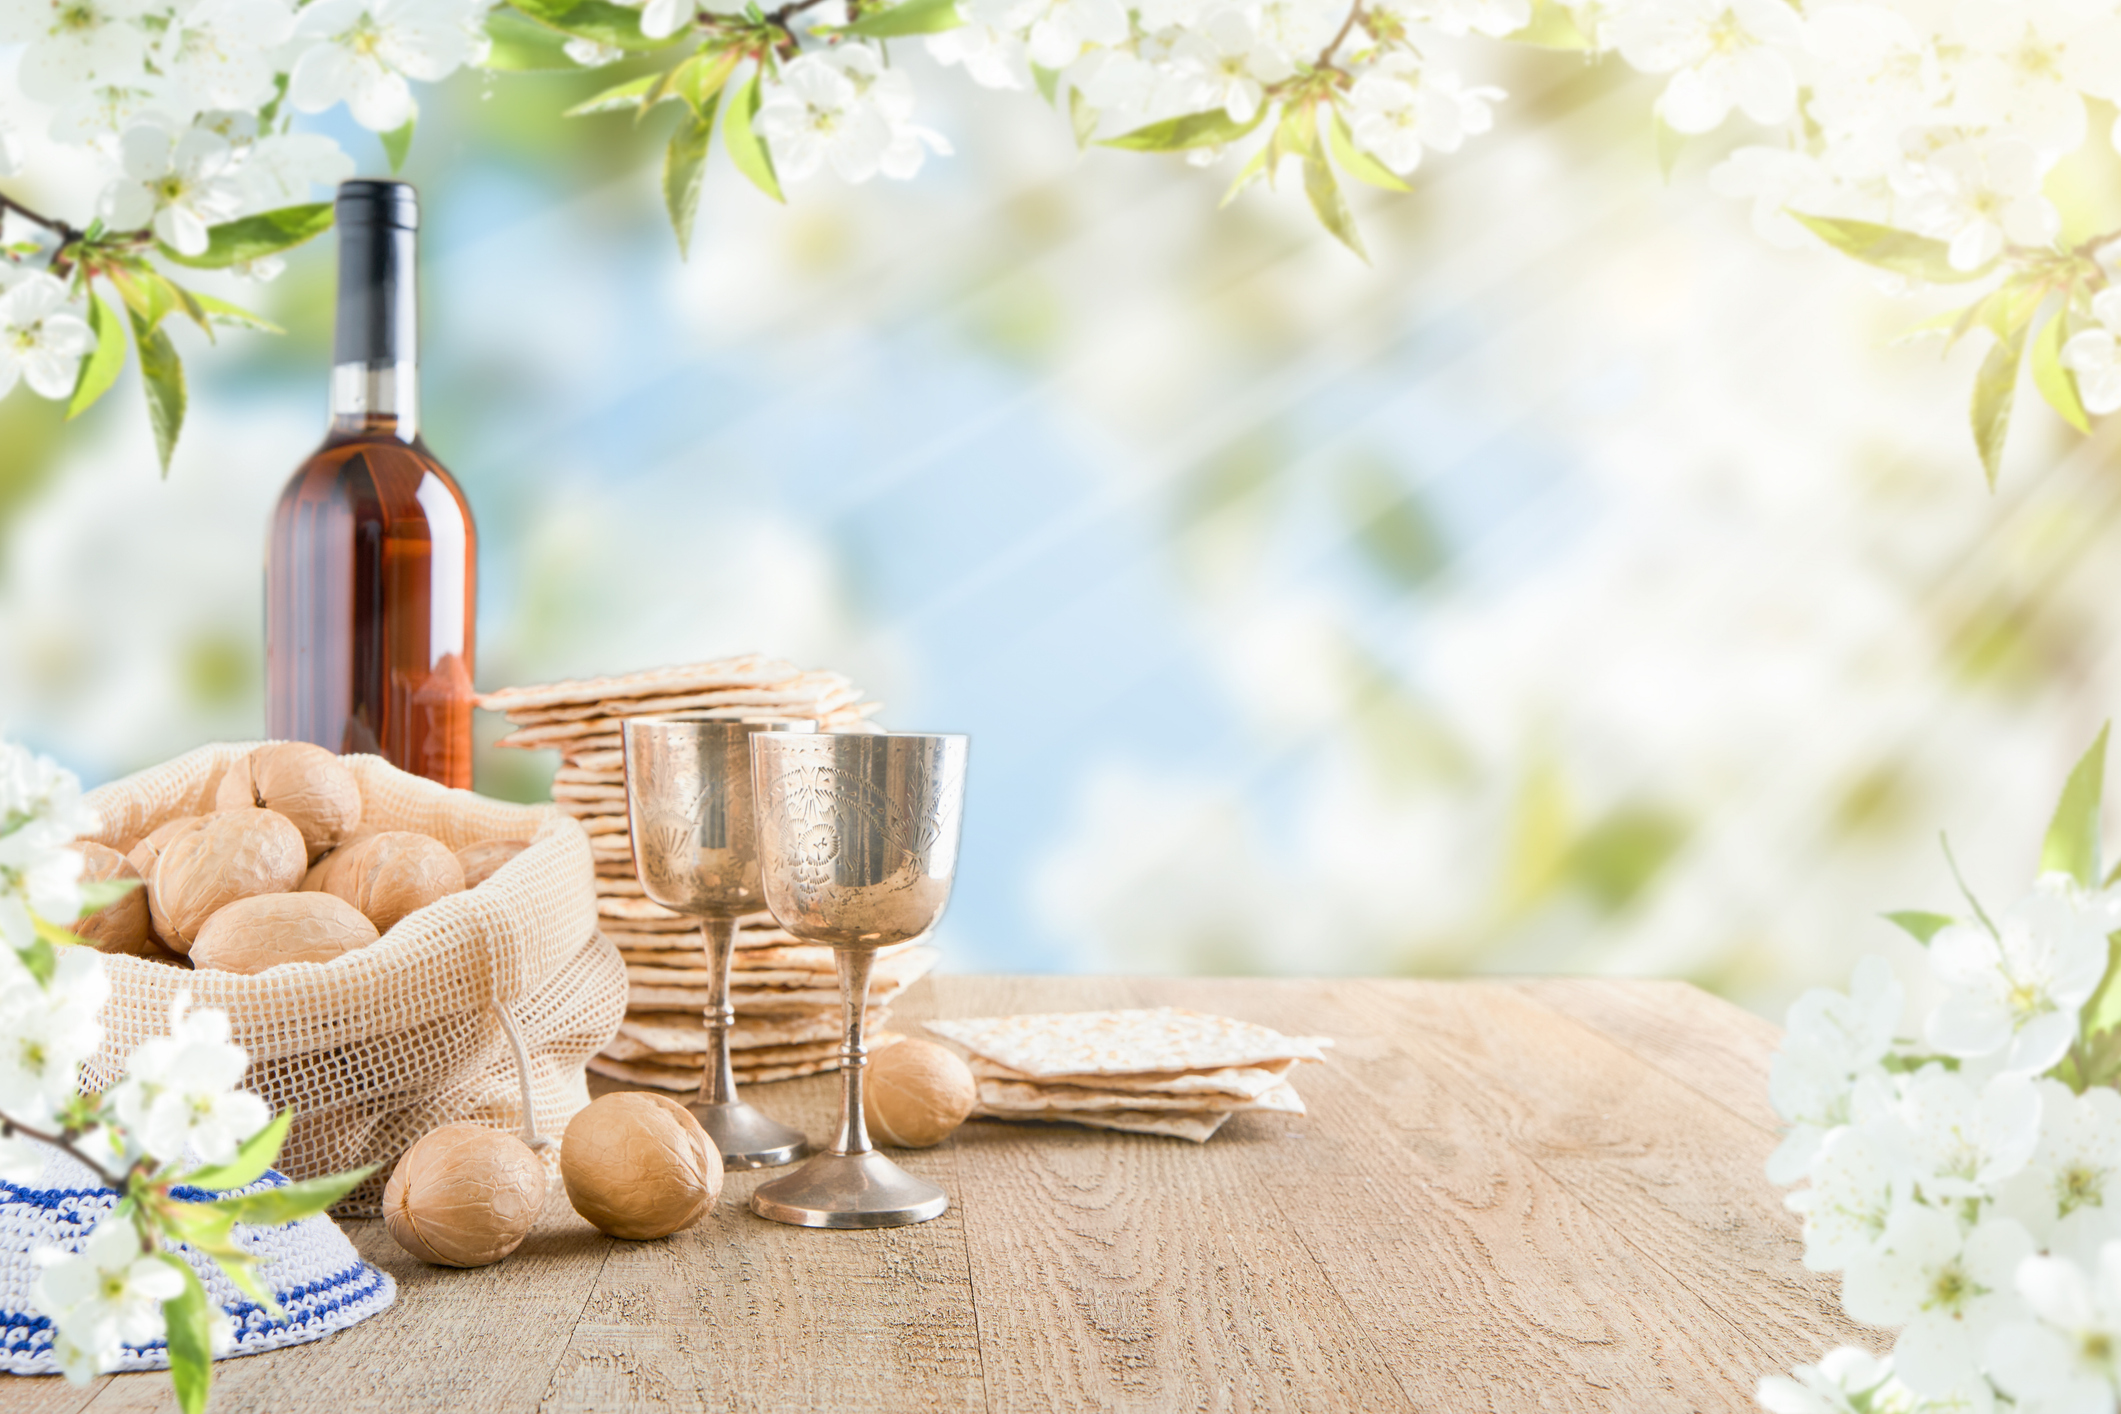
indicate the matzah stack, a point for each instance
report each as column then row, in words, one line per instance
column 1161, row 1071
column 786, row 994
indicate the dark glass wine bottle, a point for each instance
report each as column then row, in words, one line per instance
column 371, row 569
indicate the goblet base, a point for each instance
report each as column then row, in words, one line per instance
column 748, row 1139
column 850, row 1190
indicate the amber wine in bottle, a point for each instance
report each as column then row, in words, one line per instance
column 371, row 569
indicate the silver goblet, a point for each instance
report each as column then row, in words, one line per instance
column 695, row 848
column 857, row 847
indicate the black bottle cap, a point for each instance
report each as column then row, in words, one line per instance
column 378, row 305
column 371, row 203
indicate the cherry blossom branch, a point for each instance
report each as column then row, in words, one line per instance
column 9, row 1126
column 50, row 223
column 1347, row 27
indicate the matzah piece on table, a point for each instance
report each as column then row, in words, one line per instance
column 1243, row 1082
column 763, row 1001
column 1011, row 1097
column 687, row 1079
column 743, row 670
column 1197, row 1127
column 1124, row 1042
column 810, row 694
column 625, row 1048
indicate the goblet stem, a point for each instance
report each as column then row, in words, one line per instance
column 718, row 941
column 854, row 967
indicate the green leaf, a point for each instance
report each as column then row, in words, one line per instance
column 222, row 312
column 1995, row 389
column 57, row 935
column 519, row 45
column 911, row 17
column 40, row 957
column 102, row 367
column 2056, row 383
column 191, row 1343
column 1210, row 129
column 1247, row 175
column 2072, row 843
column 162, row 376
column 1890, row 248
column 745, row 149
column 250, row 1163
column 211, row 1231
column 1552, row 26
column 1357, row 163
column 267, row 233
column 397, row 143
column 1082, row 117
column 699, row 80
column 1048, row 81
column 275, row 1206
column 1327, row 201
column 626, row 96
column 1922, row 926
column 684, row 164
column 599, row 20
column 146, row 292
column 2103, row 1012
column 1670, row 143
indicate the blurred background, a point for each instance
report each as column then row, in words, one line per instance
column 1584, row 586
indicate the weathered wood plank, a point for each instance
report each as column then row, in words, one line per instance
column 1507, row 1196
column 1703, row 1042
column 1130, row 1272
column 1679, row 1174
column 1487, row 1283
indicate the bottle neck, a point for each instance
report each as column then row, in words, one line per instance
column 376, row 397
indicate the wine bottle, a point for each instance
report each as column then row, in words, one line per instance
column 371, row 567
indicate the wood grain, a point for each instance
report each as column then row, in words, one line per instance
column 1506, row 1196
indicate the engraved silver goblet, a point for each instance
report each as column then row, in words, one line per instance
column 857, row 848
column 695, row 848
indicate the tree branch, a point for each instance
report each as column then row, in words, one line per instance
column 60, row 1141
column 50, row 223
column 1347, row 27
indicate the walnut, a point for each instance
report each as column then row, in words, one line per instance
column 392, row 873
column 266, row 930
column 917, row 1094
column 464, row 1196
column 120, row 926
column 320, row 872
column 306, row 783
column 481, row 859
column 639, row 1165
column 233, row 854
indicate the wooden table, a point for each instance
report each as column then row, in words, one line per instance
column 1507, row 1196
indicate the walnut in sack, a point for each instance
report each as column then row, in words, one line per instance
column 234, row 854
column 481, row 859
column 253, row 934
column 392, row 873
column 119, row 926
column 304, row 782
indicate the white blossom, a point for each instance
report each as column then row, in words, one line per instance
column 2069, row 1359
column 2094, row 354
column 1224, row 64
column 108, row 1295
column 2068, row 1196
column 1833, row 1043
column 1721, row 54
column 41, row 343
column 1976, row 198
column 1845, row 1381
column 74, row 43
column 283, row 170
column 179, row 1091
column 181, row 185
column 221, row 53
column 2026, row 62
column 2018, row 992
column 590, row 54
column 1398, row 109
column 360, row 53
column 843, row 108
column 45, row 1034
column 21, row 1160
column 1946, row 1289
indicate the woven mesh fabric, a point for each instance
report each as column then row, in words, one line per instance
column 319, row 1281
column 373, row 1049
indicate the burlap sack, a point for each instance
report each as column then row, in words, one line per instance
column 374, row 1049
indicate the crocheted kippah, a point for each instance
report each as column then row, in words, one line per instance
column 321, row 1283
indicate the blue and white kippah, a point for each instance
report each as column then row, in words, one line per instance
column 321, row 1283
